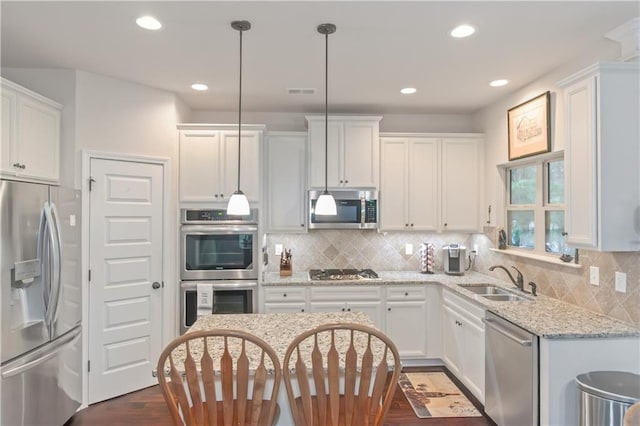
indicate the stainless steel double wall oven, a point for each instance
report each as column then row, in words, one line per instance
column 220, row 253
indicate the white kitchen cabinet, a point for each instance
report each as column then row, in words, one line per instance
column 463, row 342
column 352, row 154
column 406, row 317
column 431, row 182
column 602, row 177
column 30, row 145
column 462, row 184
column 285, row 299
column 209, row 162
column 409, row 183
column 286, row 182
column 367, row 299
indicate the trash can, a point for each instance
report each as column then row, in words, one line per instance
column 605, row 396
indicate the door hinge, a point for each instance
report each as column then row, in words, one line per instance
column 89, row 275
column 91, row 182
column 88, row 366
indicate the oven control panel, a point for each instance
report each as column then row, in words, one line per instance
column 199, row 216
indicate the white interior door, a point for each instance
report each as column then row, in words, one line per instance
column 125, row 292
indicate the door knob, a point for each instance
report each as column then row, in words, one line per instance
column 155, row 285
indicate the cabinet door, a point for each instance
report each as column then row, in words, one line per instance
column 405, row 325
column 580, row 164
column 199, row 169
column 473, row 357
column 393, row 184
column 38, row 139
column 361, row 145
column 452, row 340
column 286, row 183
column 274, row 308
column 8, row 148
column 461, row 184
column 249, row 162
column 374, row 309
column 317, row 154
column 424, row 184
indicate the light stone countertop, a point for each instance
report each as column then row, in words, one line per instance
column 544, row 316
column 278, row 330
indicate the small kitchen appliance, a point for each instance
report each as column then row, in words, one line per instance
column 453, row 258
column 356, row 209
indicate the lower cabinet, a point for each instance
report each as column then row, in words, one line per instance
column 349, row 299
column 463, row 342
column 406, row 315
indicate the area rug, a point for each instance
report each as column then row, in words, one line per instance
column 435, row 395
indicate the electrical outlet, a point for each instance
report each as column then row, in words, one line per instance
column 408, row 249
column 621, row 282
column 278, row 249
column 594, row 275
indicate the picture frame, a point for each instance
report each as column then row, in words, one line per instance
column 528, row 127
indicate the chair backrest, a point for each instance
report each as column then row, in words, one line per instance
column 200, row 367
column 354, row 371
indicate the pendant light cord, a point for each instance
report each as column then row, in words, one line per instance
column 240, row 110
column 326, row 112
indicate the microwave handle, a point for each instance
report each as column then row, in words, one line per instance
column 363, row 210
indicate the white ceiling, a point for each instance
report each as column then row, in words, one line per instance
column 379, row 47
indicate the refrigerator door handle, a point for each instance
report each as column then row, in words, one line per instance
column 41, row 355
column 58, row 261
column 56, row 269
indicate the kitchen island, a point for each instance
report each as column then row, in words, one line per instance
column 278, row 330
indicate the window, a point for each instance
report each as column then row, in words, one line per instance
column 535, row 206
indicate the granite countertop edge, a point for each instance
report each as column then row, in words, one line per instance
column 544, row 316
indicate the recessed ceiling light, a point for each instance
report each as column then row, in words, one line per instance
column 462, row 31
column 408, row 90
column 148, row 23
column 199, row 86
column 499, row 83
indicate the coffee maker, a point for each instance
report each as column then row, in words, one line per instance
column 453, row 256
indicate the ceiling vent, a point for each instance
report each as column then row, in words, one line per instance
column 298, row 91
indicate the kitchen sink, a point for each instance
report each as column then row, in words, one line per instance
column 484, row 289
column 505, row 297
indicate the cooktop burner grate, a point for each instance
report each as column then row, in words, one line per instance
column 342, row 274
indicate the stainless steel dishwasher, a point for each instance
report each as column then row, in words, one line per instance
column 511, row 373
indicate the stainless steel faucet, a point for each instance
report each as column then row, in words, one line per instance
column 518, row 281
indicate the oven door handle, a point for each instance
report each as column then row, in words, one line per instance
column 209, row 229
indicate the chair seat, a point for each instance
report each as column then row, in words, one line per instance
column 262, row 420
column 342, row 421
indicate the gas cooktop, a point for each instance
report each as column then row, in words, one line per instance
column 342, row 274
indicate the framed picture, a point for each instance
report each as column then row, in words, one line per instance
column 529, row 128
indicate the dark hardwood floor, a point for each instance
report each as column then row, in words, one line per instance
column 147, row 407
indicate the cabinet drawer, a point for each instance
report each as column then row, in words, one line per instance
column 345, row 294
column 406, row 293
column 285, row 294
column 463, row 306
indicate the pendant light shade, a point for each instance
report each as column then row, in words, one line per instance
column 326, row 205
column 238, row 203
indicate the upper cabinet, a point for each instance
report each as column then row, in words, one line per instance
column 602, row 157
column 352, row 151
column 286, row 182
column 209, row 162
column 431, row 182
column 30, row 146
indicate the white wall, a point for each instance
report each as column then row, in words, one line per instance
column 282, row 121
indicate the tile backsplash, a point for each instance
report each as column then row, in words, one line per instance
column 385, row 251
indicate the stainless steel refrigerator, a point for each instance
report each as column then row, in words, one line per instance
column 40, row 304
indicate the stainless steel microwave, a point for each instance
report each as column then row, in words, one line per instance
column 356, row 209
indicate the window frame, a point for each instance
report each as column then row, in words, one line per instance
column 541, row 206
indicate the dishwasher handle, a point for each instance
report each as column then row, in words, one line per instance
column 492, row 324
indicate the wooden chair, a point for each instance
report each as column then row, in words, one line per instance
column 207, row 361
column 354, row 372
column 632, row 416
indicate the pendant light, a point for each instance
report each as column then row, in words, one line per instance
column 326, row 205
column 238, row 203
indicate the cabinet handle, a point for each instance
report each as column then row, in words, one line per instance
column 302, row 310
column 284, row 295
column 346, row 181
column 221, row 195
column 406, row 294
column 215, row 195
column 302, row 224
column 348, row 309
column 445, row 224
column 389, row 309
column 412, row 225
column 19, row 166
column 406, row 225
column 341, row 181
